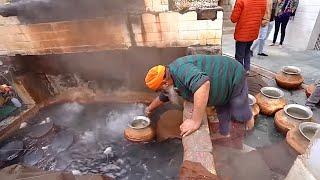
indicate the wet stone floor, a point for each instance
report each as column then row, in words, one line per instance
column 88, row 139
column 265, row 154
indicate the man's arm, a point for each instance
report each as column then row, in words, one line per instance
column 199, row 108
column 267, row 14
column 153, row 105
column 236, row 12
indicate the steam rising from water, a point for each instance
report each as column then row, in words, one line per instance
column 116, row 121
column 70, row 112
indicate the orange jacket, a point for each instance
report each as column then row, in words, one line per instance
column 248, row 15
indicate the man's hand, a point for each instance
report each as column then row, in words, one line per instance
column 147, row 112
column 188, row 127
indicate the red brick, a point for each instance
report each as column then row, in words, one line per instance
column 189, row 16
column 172, row 17
column 148, row 18
column 151, row 37
column 170, row 36
column 187, row 25
column 12, row 29
column 213, row 41
column 151, row 27
column 42, row 36
column 38, row 28
column 45, row 44
column 188, row 35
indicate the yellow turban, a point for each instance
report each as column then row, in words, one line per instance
column 155, row 77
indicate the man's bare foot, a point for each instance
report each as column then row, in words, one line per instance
column 250, row 124
column 217, row 136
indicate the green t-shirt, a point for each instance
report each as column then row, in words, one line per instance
column 190, row 72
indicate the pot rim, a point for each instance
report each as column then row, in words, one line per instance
column 274, row 89
column 303, row 108
column 308, row 124
column 291, row 67
column 146, row 119
column 254, row 100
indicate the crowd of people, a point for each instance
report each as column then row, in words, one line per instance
column 254, row 22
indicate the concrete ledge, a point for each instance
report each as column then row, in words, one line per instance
column 198, row 147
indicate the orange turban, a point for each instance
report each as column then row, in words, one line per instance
column 155, row 77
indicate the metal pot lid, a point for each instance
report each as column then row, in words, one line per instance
column 40, row 130
column 11, row 150
column 292, row 70
column 32, row 157
column 62, row 141
column 139, row 122
column 252, row 100
column 272, row 92
column 297, row 111
column 308, row 129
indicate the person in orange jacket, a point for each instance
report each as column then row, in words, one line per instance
column 248, row 16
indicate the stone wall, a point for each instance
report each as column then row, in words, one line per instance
column 150, row 29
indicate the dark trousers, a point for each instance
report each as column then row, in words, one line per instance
column 237, row 108
column 283, row 21
column 243, row 53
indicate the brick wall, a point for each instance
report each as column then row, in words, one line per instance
column 173, row 29
column 162, row 29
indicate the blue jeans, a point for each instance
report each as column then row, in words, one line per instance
column 263, row 35
column 243, row 53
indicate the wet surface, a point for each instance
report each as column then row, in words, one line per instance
column 88, row 139
column 264, row 153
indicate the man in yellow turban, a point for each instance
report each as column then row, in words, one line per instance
column 202, row 80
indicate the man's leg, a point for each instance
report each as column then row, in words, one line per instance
column 270, row 27
column 256, row 42
column 240, row 51
column 262, row 38
column 240, row 108
column 247, row 56
column 276, row 30
column 314, row 98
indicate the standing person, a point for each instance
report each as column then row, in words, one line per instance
column 248, row 15
column 284, row 10
column 203, row 80
column 314, row 98
column 265, row 29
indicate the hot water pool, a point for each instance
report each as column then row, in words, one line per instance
column 88, row 139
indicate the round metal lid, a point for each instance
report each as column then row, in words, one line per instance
column 32, row 157
column 40, row 130
column 11, row 150
column 62, row 141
